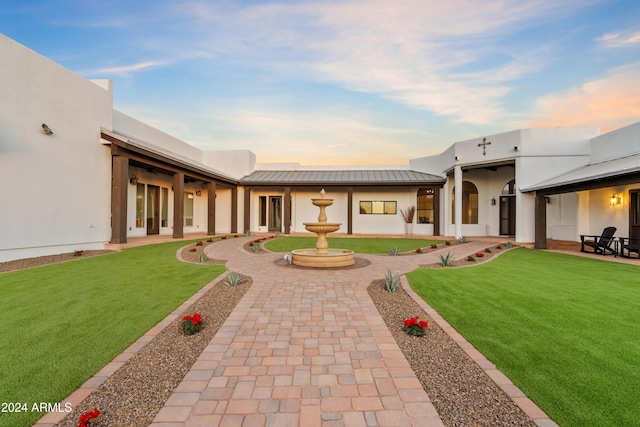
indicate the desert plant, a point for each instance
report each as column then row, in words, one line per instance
column 445, row 260
column 462, row 239
column 391, row 281
column 256, row 246
column 509, row 244
column 277, row 234
column 247, row 232
column 233, row 278
column 408, row 214
column 394, row 250
column 203, row 257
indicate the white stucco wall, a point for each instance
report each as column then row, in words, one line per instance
column 618, row 143
column 233, row 163
column 54, row 189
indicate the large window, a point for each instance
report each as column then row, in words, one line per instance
column 376, row 207
column 262, row 211
column 469, row 203
column 164, row 221
column 425, row 211
column 140, row 206
column 188, row 209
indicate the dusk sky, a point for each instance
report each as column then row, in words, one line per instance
column 347, row 82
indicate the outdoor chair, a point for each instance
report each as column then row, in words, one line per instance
column 628, row 245
column 599, row 244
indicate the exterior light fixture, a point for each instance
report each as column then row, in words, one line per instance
column 133, row 180
column 493, row 201
column 198, row 193
column 46, row 129
column 516, row 148
column 615, row 200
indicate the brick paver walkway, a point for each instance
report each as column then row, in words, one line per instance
column 304, row 348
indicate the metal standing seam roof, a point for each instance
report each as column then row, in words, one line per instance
column 339, row 177
column 592, row 172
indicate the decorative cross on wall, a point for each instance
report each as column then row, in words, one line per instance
column 484, row 146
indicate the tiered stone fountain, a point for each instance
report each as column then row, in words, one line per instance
column 322, row 256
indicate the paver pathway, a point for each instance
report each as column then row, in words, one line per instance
column 304, row 348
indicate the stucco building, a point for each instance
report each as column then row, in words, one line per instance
column 94, row 175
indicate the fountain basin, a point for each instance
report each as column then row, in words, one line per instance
column 330, row 258
column 326, row 227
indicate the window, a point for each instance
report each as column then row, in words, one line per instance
column 469, row 204
column 425, row 209
column 262, row 211
column 377, row 207
column 164, row 220
column 188, row 209
column 139, row 205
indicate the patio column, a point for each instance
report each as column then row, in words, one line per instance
column 119, row 190
column 247, row 209
column 350, row 210
column 457, row 179
column 178, row 205
column 234, row 210
column 211, row 208
column 541, row 222
column 287, row 210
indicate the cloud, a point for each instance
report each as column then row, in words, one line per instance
column 412, row 52
column 127, row 69
column 611, row 102
column 619, row 39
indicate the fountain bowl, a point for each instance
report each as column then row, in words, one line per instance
column 332, row 258
column 319, row 227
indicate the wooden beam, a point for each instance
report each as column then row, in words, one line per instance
column 234, row 210
column 178, row 205
column 247, row 209
column 287, row 210
column 350, row 210
column 119, row 190
column 211, row 208
column 541, row 222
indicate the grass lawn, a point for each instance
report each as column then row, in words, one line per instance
column 357, row 244
column 62, row 323
column 565, row 329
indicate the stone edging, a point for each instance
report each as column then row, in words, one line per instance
column 539, row 417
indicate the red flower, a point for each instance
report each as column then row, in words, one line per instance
column 479, row 254
column 447, row 242
column 250, row 243
column 487, row 250
column 193, row 250
column 197, row 318
column 86, row 418
column 235, row 235
column 498, row 247
column 433, row 245
column 186, row 318
column 418, row 251
column 423, row 324
column 272, row 237
column 224, row 237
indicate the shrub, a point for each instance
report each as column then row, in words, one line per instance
column 414, row 326
column 463, row 239
column 203, row 257
column 391, row 281
column 394, row 251
column 234, row 279
column 419, row 250
column 257, row 246
column 470, row 258
column 191, row 324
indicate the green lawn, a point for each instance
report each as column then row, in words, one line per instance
column 358, row 245
column 565, row 329
column 62, row 323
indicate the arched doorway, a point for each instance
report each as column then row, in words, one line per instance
column 469, row 203
column 508, row 209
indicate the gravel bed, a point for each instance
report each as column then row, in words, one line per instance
column 459, row 389
column 134, row 394
column 21, row 264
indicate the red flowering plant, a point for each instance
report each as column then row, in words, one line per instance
column 487, row 250
column 470, row 258
column 419, row 250
column 479, row 254
column 210, row 239
column 433, row 246
column 414, row 326
column 192, row 324
column 498, row 247
column 224, row 237
column 446, row 242
column 88, row 417
column 235, row 235
column 78, row 252
column 193, row 250
column 199, row 243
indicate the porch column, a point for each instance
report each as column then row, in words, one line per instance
column 247, row 209
column 234, row 210
column 436, row 211
column 350, row 210
column 287, row 210
column 457, row 179
column 178, row 205
column 541, row 222
column 211, row 208
column 119, row 190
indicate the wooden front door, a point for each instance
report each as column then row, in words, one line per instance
column 153, row 209
column 275, row 213
column 634, row 214
column 507, row 215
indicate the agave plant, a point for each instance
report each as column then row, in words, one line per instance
column 203, row 257
column 445, row 260
column 394, row 251
column 234, row 279
column 391, row 281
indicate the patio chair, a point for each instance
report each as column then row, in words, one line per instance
column 600, row 244
column 628, row 245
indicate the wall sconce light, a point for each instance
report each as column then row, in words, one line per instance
column 133, row 180
column 457, row 158
column 548, row 199
column 615, row 200
column 516, row 148
column 493, row 201
column 198, row 193
column 46, row 129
